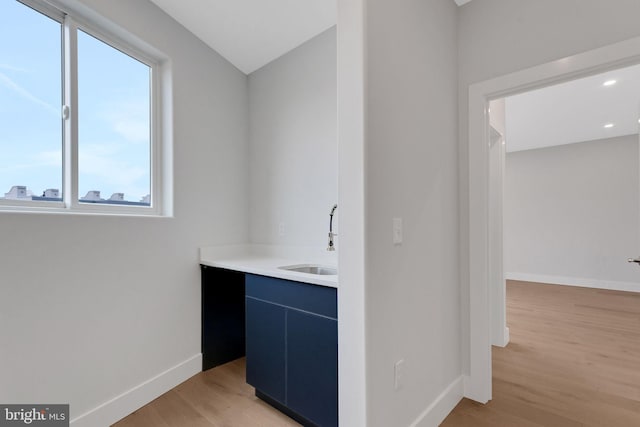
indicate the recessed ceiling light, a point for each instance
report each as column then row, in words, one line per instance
column 608, row 125
column 609, row 82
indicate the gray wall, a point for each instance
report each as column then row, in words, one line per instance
column 293, row 145
column 497, row 37
column 571, row 212
column 91, row 306
column 412, row 290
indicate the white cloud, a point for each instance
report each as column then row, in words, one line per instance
column 37, row 170
column 12, row 68
column 10, row 84
column 49, row 158
column 39, row 160
column 100, row 166
column 130, row 119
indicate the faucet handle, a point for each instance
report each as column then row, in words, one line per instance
column 331, row 246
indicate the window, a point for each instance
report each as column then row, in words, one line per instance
column 30, row 101
column 78, row 116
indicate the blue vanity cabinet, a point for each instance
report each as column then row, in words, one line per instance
column 292, row 347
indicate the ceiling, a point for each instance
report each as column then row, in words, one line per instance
column 576, row 111
column 252, row 33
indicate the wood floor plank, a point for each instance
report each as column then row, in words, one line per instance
column 219, row 397
column 572, row 361
column 146, row 416
column 176, row 412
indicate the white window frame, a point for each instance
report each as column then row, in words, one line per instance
column 72, row 23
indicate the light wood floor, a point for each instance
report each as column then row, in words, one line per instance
column 219, row 397
column 573, row 360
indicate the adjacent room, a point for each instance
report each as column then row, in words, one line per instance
column 565, row 193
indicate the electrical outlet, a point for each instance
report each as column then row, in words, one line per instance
column 398, row 374
column 281, row 229
column 397, row 231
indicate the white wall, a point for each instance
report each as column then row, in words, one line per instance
column 412, row 290
column 572, row 213
column 293, row 145
column 91, row 306
column 497, row 37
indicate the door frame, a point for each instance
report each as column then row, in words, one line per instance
column 477, row 384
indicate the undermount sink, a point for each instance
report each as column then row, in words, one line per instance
column 320, row 270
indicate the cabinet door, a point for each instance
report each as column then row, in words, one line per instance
column 265, row 324
column 312, row 367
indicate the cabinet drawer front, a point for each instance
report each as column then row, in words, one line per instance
column 302, row 296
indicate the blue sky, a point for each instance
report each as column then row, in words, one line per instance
column 113, row 110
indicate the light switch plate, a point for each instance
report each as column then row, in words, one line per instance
column 397, row 231
column 398, row 374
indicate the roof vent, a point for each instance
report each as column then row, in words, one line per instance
column 53, row 193
column 18, row 192
column 92, row 196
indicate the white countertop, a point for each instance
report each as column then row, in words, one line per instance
column 265, row 260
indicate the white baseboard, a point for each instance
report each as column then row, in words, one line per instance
column 442, row 406
column 575, row 281
column 474, row 390
column 502, row 340
column 124, row 404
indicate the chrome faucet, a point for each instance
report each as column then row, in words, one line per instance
column 331, row 247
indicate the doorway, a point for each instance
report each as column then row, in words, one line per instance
column 563, row 186
column 482, row 233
